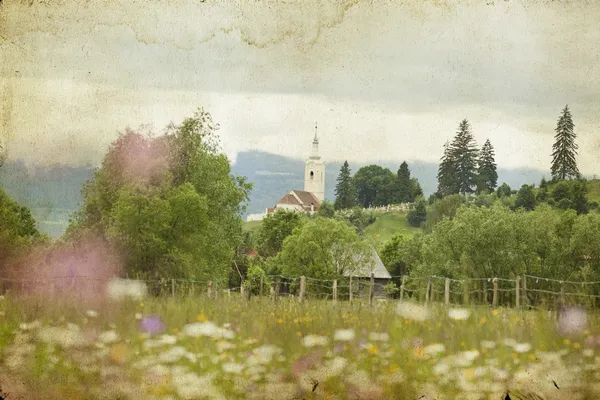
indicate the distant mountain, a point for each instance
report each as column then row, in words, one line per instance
column 274, row 175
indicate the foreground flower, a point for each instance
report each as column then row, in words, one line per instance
column 314, row 340
column 343, row 335
column 152, row 324
column 572, row 321
column 413, row 311
column 207, row 329
column 379, row 337
column 459, row 314
column 119, row 289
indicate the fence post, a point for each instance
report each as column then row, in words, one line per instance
column 249, row 289
column 525, row 291
column 209, row 289
column 335, row 292
column 495, row 297
column 302, row 288
column 350, row 288
column 518, row 289
column 261, row 285
column 562, row 293
column 372, row 289
column 428, row 290
column 465, row 292
column 228, row 293
column 173, row 287
column 402, row 287
column 484, row 299
column 242, row 290
column 447, row 292
column 277, row 287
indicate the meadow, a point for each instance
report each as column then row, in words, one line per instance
column 195, row 347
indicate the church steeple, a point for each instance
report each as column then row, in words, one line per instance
column 314, row 155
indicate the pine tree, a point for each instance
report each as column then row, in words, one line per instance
column 344, row 190
column 464, row 153
column 404, row 184
column 487, row 175
column 447, row 173
column 564, row 149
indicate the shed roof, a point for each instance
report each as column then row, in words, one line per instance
column 363, row 271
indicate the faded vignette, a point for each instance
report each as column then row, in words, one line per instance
column 173, row 30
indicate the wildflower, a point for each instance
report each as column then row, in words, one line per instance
column 152, row 324
column 466, row 358
column 314, row 340
column 201, row 318
column 379, row 337
column 232, row 368
column 138, row 316
column 207, row 329
column 588, row 353
column 459, row 314
column 343, row 335
column 91, row 313
column 118, row 289
column 108, row 337
column 163, row 340
column 30, row 326
column 572, row 321
column 441, row 368
column 63, row 337
column 522, row 347
column 413, row 311
column 172, row 355
column 434, row 349
column 118, row 353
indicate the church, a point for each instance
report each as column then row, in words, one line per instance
column 307, row 200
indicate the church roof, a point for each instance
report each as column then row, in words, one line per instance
column 364, row 271
column 300, row 198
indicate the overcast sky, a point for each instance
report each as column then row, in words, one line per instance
column 384, row 80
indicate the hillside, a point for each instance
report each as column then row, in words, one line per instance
column 382, row 230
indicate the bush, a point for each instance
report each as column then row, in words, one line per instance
column 391, row 290
column 564, row 204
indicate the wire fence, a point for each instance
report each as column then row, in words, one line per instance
column 524, row 291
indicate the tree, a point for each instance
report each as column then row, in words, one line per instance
column 322, row 249
column 579, row 201
column 275, row 228
column 416, row 189
column 560, row 191
column 344, row 190
column 525, row 198
column 374, row 186
column 504, row 190
column 447, row 182
column 17, row 228
column 405, row 185
column 357, row 218
column 169, row 205
column 417, row 215
column 326, row 210
column 564, row 149
column 487, row 177
column 464, row 156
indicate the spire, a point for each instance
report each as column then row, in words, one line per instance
column 315, row 146
column 316, row 139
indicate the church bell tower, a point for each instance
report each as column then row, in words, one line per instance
column 314, row 171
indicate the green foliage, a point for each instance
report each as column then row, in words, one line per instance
column 444, row 208
column 504, row 190
column 374, row 186
column 560, row 191
column 357, row 218
column 322, row 249
column 405, row 185
column 391, row 289
column 564, row 150
column 344, row 189
column 487, row 177
column 464, row 155
column 326, row 210
column 168, row 204
column 579, row 200
column 17, row 228
column 416, row 189
column 525, row 198
column 275, row 229
column 418, row 214
column 447, row 175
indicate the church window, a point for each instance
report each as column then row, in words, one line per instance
column 312, row 174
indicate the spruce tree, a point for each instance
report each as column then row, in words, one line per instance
column 464, row 154
column 447, row 173
column 564, row 149
column 404, row 184
column 487, row 175
column 344, row 191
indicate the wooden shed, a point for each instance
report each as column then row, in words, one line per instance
column 361, row 276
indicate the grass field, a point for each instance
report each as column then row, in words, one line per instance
column 231, row 348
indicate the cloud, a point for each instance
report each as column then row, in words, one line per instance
column 386, row 80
